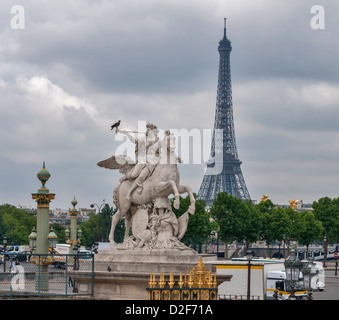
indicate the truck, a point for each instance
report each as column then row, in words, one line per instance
column 17, row 248
column 62, row 251
column 277, row 284
column 266, row 277
column 20, row 252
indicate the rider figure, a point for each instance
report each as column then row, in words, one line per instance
column 147, row 157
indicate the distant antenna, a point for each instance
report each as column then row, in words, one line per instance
column 225, row 27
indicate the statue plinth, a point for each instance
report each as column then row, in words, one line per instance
column 124, row 274
column 145, row 260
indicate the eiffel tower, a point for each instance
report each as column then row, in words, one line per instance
column 223, row 172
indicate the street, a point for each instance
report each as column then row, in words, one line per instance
column 331, row 291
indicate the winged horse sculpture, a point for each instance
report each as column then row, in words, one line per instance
column 163, row 182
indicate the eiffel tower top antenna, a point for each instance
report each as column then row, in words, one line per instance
column 224, row 27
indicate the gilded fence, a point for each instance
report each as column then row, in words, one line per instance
column 199, row 284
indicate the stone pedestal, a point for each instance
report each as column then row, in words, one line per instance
column 124, row 274
column 145, row 260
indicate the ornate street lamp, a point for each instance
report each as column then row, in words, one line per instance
column 4, row 241
column 52, row 239
column 79, row 235
column 292, row 268
column 308, row 273
column 32, row 239
column 76, row 257
column 72, row 235
column 325, row 251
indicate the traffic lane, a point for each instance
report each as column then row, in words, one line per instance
column 331, row 291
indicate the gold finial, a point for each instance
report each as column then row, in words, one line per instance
column 150, row 282
column 293, row 204
column 162, row 280
column 180, row 283
column 171, row 280
column 264, row 198
column 154, row 282
column 190, row 280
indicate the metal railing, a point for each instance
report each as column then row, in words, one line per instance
column 25, row 274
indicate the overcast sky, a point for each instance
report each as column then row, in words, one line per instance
column 79, row 66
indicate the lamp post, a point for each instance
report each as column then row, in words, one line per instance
column 4, row 241
column 79, row 235
column 99, row 211
column 71, row 235
column 292, row 268
column 308, row 273
column 284, row 241
column 249, row 258
column 43, row 198
column 76, row 257
column 32, row 240
column 52, row 239
column 325, row 252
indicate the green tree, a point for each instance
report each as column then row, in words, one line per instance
column 295, row 221
column 310, row 229
column 275, row 222
column 326, row 211
column 90, row 230
column 119, row 232
column 237, row 220
column 105, row 222
column 15, row 224
column 199, row 225
column 59, row 231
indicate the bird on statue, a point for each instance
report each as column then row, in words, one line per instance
column 116, row 125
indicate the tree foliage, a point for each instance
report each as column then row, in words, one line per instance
column 237, row 220
column 326, row 210
column 199, row 224
column 233, row 218
column 15, row 224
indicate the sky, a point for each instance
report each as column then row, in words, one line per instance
column 71, row 69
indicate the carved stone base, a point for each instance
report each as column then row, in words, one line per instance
column 146, row 260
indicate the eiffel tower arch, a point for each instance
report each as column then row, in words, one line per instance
column 223, row 172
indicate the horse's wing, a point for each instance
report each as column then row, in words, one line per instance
column 116, row 162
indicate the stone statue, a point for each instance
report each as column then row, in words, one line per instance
column 142, row 196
